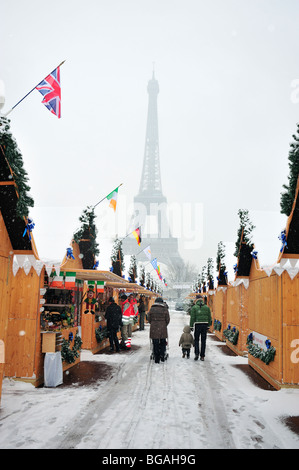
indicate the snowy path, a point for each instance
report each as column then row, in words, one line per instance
column 179, row 404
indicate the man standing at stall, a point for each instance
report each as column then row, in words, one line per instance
column 113, row 316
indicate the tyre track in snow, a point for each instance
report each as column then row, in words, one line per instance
column 107, row 398
column 142, row 405
column 111, row 418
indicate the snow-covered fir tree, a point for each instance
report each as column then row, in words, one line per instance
column 142, row 276
column 210, row 273
column 88, row 228
column 203, row 278
column 117, row 257
column 133, row 269
column 148, row 281
column 245, row 229
column 220, row 264
column 15, row 161
column 288, row 195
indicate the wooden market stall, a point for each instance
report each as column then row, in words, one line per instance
column 273, row 311
column 236, row 327
column 19, row 291
column 23, row 285
column 106, row 284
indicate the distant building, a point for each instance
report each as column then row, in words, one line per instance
column 150, row 205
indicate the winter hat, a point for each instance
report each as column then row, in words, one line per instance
column 159, row 300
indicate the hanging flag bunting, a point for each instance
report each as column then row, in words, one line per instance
column 70, row 280
column 112, row 197
column 147, row 252
column 137, row 235
column 57, row 280
column 100, row 286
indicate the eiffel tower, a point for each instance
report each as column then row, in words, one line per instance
column 150, row 204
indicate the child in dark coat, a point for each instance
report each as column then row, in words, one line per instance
column 186, row 341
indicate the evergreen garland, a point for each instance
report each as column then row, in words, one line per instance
column 88, row 230
column 244, row 232
column 101, row 333
column 288, row 196
column 217, row 325
column 255, row 351
column 68, row 354
column 232, row 335
column 15, row 161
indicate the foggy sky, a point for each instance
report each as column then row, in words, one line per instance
column 227, row 107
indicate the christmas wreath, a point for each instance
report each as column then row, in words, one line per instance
column 69, row 354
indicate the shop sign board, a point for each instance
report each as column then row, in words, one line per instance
column 259, row 340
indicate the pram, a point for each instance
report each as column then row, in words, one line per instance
column 166, row 355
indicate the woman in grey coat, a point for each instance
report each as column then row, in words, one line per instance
column 158, row 318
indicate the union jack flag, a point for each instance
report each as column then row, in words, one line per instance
column 49, row 87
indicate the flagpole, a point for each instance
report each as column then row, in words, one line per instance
column 31, row 91
column 106, row 197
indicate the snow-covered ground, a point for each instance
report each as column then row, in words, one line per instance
column 179, row 404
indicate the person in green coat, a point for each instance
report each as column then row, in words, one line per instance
column 200, row 320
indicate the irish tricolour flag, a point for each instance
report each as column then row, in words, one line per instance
column 112, row 197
